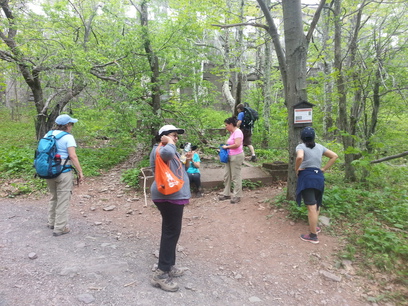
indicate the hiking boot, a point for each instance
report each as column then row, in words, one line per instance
column 199, row 194
column 66, row 230
column 223, row 197
column 310, row 239
column 164, row 281
column 177, row 272
column 318, row 230
column 253, row 158
column 235, row 200
column 50, row 226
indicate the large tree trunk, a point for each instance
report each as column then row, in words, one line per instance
column 296, row 52
column 292, row 68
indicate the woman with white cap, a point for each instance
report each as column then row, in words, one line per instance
column 171, row 207
column 61, row 186
column 310, row 184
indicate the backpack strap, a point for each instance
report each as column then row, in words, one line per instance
column 65, row 166
column 60, row 135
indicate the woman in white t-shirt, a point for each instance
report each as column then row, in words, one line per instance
column 61, row 186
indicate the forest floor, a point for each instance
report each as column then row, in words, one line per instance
column 237, row 254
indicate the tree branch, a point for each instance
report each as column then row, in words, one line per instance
column 257, row 25
column 389, row 157
column 316, row 18
column 5, row 56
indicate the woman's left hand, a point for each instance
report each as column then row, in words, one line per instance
column 225, row 147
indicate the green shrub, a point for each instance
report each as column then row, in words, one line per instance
column 250, row 184
column 131, row 176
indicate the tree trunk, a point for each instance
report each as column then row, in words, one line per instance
column 328, row 85
column 226, row 92
column 292, row 68
column 343, row 122
column 267, row 90
column 153, row 62
column 296, row 52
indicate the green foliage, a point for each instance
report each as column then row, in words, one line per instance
column 16, row 156
column 15, row 160
column 94, row 162
column 271, row 155
column 297, row 212
column 131, row 176
column 250, row 184
column 96, row 154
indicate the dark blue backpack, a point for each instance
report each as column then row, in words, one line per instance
column 46, row 163
column 250, row 116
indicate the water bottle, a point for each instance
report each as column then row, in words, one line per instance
column 187, row 147
column 57, row 158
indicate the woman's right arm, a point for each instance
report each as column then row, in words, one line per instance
column 168, row 151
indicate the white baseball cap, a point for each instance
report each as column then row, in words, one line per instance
column 168, row 128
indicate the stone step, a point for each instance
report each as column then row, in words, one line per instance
column 212, row 174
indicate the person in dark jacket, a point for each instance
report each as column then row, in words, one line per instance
column 171, row 208
column 310, row 184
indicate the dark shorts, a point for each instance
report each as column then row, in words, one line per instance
column 310, row 196
column 247, row 137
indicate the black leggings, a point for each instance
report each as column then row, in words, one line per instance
column 195, row 178
column 172, row 216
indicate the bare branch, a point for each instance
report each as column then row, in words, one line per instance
column 103, row 77
column 109, row 63
column 389, row 157
column 47, row 103
column 8, row 57
column 316, row 18
column 257, row 25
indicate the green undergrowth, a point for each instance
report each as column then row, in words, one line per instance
column 99, row 148
column 131, row 176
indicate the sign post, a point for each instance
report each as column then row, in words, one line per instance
column 303, row 114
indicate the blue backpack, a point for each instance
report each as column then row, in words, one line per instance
column 223, row 154
column 47, row 163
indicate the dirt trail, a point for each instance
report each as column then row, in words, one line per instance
column 242, row 254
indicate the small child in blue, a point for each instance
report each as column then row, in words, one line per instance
column 193, row 170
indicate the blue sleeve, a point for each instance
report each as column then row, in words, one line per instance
column 241, row 116
column 196, row 158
